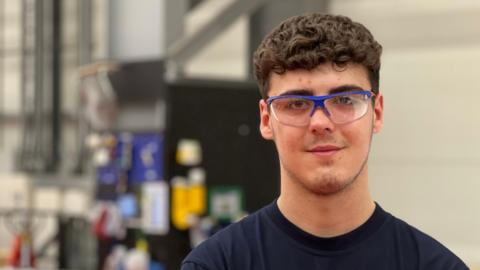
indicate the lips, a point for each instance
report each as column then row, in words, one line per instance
column 325, row 150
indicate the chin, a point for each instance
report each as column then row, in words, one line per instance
column 328, row 185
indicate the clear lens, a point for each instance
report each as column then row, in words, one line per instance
column 340, row 109
column 344, row 109
column 293, row 111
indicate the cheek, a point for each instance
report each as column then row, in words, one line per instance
column 288, row 140
column 359, row 137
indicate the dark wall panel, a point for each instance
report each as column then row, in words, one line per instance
column 224, row 117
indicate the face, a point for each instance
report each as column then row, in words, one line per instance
column 322, row 157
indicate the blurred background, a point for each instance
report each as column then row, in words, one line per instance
column 129, row 129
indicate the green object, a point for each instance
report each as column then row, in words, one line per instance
column 226, row 203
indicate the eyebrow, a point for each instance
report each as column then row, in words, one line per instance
column 309, row 92
column 345, row 88
column 298, row 92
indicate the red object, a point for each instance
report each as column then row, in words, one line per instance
column 14, row 259
column 19, row 242
column 99, row 226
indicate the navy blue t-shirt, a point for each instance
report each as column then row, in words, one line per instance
column 266, row 240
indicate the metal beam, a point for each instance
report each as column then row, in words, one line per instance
column 185, row 48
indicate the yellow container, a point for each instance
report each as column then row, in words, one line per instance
column 180, row 203
column 197, row 191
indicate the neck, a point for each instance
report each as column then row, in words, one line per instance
column 327, row 215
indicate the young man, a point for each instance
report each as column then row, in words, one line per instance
column 319, row 79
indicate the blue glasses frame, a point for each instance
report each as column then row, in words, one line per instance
column 319, row 101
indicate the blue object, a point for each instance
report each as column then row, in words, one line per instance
column 128, row 206
column 108, row 175
column 320, row 100
column 139, row 157
column 156, row 266
column 147, row 158
column 296, row 108
column 120, row 163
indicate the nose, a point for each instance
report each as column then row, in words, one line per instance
column 320, row 121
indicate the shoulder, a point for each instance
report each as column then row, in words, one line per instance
column 215, row 252
column 431, row 253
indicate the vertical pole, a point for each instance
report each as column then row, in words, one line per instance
column 38, row 157
column 56, row 84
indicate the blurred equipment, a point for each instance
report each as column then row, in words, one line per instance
column 180, row 203
column 155, row 208
column 221, row 118
column 226, row 203
column 22, row 223
column 163, row 137
column 40, row 84
column 225, row 125
column 189, row 152
column 197, row 191
column 99, row 101
column 76, row 244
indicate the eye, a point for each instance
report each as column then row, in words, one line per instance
column 343, row 100
column 298, row 104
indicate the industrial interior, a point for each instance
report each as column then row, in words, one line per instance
column 129, row 129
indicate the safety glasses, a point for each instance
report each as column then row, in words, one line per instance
column 341, row 108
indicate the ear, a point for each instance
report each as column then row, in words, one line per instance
column 378, row 113
column 265, row 127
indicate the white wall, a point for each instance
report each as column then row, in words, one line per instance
column 425, row 163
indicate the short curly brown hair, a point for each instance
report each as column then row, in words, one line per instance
column 306, row 41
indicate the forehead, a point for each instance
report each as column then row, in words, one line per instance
column 320, row 80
